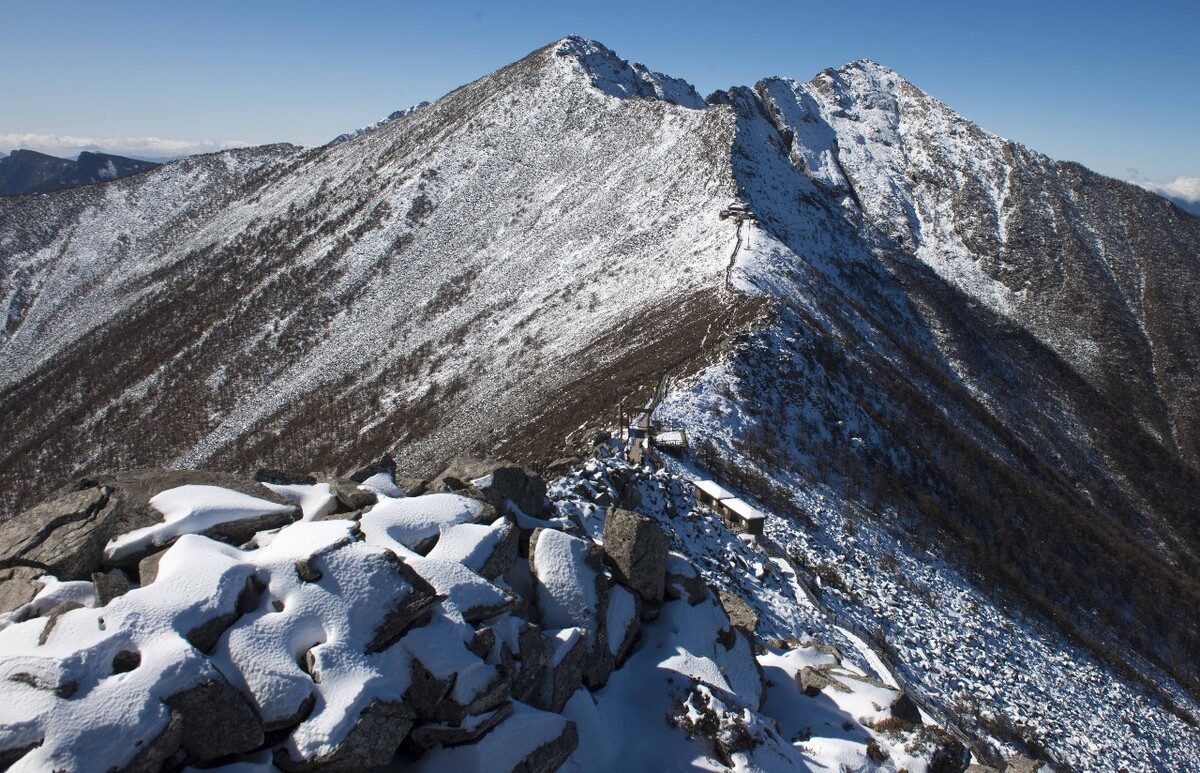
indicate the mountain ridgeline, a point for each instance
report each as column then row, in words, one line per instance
column 27, row 171
column 932, row 335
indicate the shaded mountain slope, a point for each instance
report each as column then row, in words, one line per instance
column 27, row 171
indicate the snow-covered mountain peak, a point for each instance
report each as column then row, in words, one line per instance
column 617, row 77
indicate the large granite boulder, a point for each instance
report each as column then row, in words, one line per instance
column 377, row 734
column 64, row 536
column 217, row 721
column 133, row 491
column 499, row 482
column 635, row 546
column 571, row 591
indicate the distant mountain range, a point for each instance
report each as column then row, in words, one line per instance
column 27, row 171
column 961, row 378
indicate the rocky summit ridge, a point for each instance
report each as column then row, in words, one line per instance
column 959, row 377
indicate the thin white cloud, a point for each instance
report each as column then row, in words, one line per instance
column 138, row 147
column 1184, row 191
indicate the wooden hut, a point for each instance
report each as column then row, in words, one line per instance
column 737, row 515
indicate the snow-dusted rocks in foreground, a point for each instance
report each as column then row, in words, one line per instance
column 333, row 644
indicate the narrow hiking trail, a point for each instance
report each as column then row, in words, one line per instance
column 724, row 332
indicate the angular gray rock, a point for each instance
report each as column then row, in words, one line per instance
column 373, row 741
column 148, row 567
column 412, row 487
column 635, row 546
column 534, row 651
column 500, row 482
column 739, row 612
column 811, row 681
column 109, row 586
column 904, row 709
column 64, row 536
column 18, row 586
column 386, row 465
column 217, row 721
column 350, row 496
column 470, row 729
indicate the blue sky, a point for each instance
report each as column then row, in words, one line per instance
column 1110, row 84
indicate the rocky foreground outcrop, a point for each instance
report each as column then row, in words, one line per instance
column 160, row 619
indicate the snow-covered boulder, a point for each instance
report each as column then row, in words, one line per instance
column 315, row 500
column 373, row 739
column 465, row 594
column 448, row 681
column 528, row 740
column 416, row 523
column 571, row 591
column 217, row 512
column 472, row 728
column 683, row 580
column 622, row 621
column 489, row 550
column 134, row 490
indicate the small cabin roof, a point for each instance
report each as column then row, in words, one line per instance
column 745, row 511
column 713, row 489
column 669, row 436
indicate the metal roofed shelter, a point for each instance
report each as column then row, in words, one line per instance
column 709, row 493
column 744, row 517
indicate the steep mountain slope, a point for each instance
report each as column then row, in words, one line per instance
column 903, row 402
column 27, row 171
column 961, row 377
column 504, row 264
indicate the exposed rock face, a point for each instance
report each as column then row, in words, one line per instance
column 636, row 548
column 65, row 536
column 109, row 585
column 18, row 586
